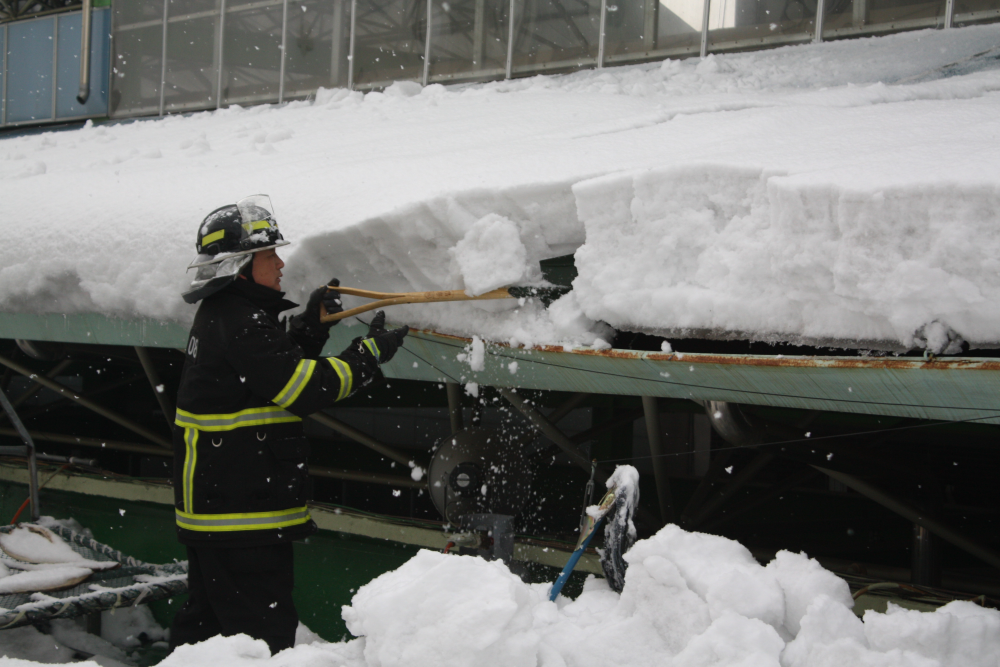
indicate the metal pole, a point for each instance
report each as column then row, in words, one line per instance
column 90, row 405
column 6, row 47
column 221, row 54
column 284, row 45
column 704, row 28
column 163, row 58
column 510, row 41
column 367, row 477
column 820, row 16
column 652, row 412
column 156, row 384
column 571, row 404
column 84, row 92
column 910, row 514
column 350, row 57
column 949, row 14
column 135, row 448
column 32, row 462
column 427, row 42
column 55, row 63
column 454, row 406
column 600, row 41
column 35, row 387
column 336, row 41
column 99, row 443
column 552, row 433
column 363, row 438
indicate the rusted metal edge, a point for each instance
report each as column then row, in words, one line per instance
column 777, row 361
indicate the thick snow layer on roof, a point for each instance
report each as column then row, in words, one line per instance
column 845, row 191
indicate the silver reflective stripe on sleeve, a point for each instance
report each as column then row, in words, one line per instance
column 296, row 383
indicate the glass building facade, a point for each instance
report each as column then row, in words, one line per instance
column 151, row 57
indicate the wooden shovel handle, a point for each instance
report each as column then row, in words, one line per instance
column 398, row 298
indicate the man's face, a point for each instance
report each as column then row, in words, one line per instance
column 267, row 268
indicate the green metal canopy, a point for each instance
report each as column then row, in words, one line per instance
column 951, row 389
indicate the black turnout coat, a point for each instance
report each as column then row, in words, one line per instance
column 240, row 464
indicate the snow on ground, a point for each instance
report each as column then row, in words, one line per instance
column 844, row 191
column 690, row 600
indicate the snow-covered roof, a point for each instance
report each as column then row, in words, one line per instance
column 843, row 191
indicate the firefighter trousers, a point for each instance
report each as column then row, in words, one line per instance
column 238, row 590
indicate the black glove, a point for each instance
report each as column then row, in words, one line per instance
column 329, row 298
column 380, row 343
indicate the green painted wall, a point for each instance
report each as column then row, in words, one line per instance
column 329, row 566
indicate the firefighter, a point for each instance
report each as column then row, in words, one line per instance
column 240, row 471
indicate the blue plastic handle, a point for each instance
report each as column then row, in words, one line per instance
column 571, row 563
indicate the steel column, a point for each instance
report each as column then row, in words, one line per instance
column 600, row 42
column 32, row 463
column 284, row 48
column 510, row 41
column 350, row 55
column 820, row 16
column 427, row 43
column 913, row 515
column 715, row 469
column 704, row 27
column 55, row 62
column 651, row 409
column 949, row 13
column 163, row 57
column 3, row 102
column 154, row 381
column 220, row 54
column 455, row 406
column 363, row 438
column 90, row 405
column 84, row 92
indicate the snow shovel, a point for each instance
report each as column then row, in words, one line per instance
column 398, row 298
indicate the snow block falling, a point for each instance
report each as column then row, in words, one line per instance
column 723, row 252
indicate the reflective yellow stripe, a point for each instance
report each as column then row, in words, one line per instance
column 271, row 414
column 296, row 383
column 252, row 227
column 248, row 521
column 214, row 236
column 190, row 461
column 373, row 348
column 346, row 376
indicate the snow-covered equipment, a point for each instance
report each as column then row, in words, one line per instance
column 82, row 576
column 385, row 299
column 227, row 239
column 619, row 534
column 478, row 471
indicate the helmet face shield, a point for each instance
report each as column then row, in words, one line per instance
column 227, row 239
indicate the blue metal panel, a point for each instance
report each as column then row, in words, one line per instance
column 68, row 65
column 30, row 52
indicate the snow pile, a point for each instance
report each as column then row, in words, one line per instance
column 838, row 192
column 690, row 600
column 48, row 562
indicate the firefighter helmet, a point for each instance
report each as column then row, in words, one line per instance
column 227, row 239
